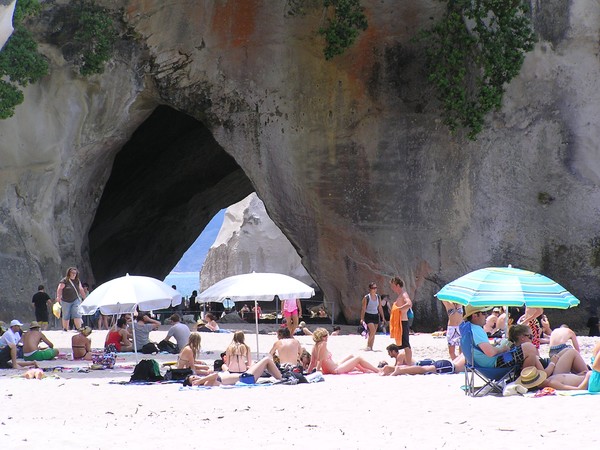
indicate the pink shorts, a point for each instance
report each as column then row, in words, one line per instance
column 290, row 313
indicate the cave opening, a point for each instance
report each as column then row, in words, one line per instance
column 166, row 184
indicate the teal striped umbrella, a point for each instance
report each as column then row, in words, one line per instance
column 507, row 286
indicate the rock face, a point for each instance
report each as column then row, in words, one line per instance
column 348, row 155
column 249, row 241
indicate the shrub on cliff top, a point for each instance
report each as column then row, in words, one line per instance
column 20, row 62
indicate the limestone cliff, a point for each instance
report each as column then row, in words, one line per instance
column 249, row 241
column 348, row 155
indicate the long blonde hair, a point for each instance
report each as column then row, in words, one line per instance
column 238, row 345
column 194, row 343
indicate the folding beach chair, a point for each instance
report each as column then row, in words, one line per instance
column 494, row 378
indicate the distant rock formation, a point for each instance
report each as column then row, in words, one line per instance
column 249, row 241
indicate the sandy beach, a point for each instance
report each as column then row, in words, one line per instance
column 88, row 410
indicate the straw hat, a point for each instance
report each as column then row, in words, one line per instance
column 33, row 325
column 470, row 310
column 56, row 310
column 531, row 377
column 86, row 331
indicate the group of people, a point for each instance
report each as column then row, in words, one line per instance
column 372, row 315
column 563, row 369
column 31, row 346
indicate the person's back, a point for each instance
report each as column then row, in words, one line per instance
column 287, row 348
column 143, row 326
column 179, row 331
column 559, row 338
column 31, row 340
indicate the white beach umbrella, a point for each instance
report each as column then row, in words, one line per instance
column 256, row 287
column 123, row 295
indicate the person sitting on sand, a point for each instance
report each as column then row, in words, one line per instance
column 142, row 328
column 119, row 337
column 211, row 322
column 188, row 357
column 566, row 361
column 520, row 353
column 559, row 338
column 31, row 341
column 321, row 358
column 179, row 331
column 8, row 358
column 287, row 348
column 82, row 344
column 302, row 330
column 227, row 378
column 336, row 330
column 491, row 322
column 238, row 354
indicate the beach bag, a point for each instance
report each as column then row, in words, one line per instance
column 410, row 314
column 146, row 370
column 150, row 348
column 166, row 346
column 106, row 360
column 178, row 374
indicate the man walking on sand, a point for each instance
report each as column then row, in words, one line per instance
column 41, row 301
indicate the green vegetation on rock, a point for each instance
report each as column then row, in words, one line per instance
column 94, row 35
column 472, row 53
column 20, row 62
column 346, row 20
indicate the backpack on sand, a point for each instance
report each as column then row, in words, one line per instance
column 146, row 370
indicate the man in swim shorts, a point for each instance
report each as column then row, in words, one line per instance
column 31, row 341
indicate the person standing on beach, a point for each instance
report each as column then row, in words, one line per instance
column 41, row 300
column 70, row 294
column 455, row 317
column 292, row 311
column 371, row 312
column 400, row 312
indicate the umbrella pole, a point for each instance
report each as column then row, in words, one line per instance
column 134, row 342
column 256, row 322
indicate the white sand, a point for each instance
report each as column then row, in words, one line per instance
column 83, row 410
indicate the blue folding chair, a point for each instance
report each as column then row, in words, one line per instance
column 494, row 378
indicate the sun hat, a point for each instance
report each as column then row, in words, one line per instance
column 470, row 310
column 56, row 310
column 496, row 309
column 15, row 323
column 531, row 377
column 86, row 331
column 33, row 325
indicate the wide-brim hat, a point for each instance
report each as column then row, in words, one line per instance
column 470, row 310
column 56, row 310
column 531, row 377
column 33, row 325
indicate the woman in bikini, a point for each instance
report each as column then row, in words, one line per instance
column 227, row 378
column 188, row 358
column 119, row 337
column 238, row 355
column 82, row 344
column 455, row 317
column 321, row 358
